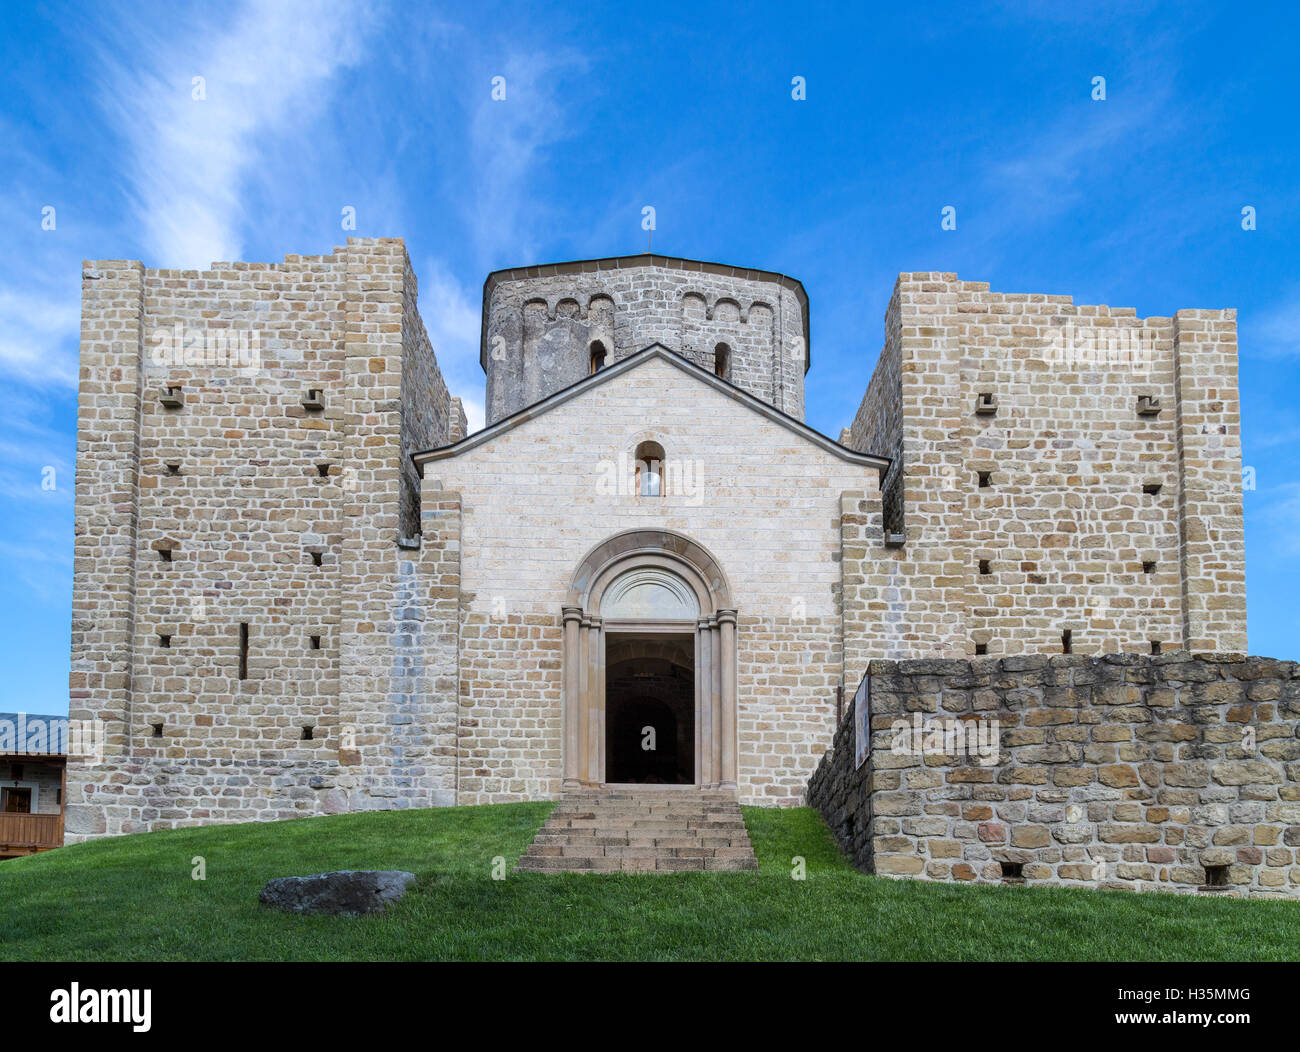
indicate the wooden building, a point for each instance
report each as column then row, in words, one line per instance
column 33, row 761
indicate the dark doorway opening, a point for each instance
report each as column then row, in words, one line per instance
column 650, row 711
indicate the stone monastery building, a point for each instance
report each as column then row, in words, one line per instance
column 301, row 587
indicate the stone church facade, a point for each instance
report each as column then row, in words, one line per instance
column 301, row 587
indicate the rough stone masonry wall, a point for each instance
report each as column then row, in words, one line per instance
column 539, row 328
column 1174, row 773
column 1064, row 535
column 241, row 486
column 878, row 424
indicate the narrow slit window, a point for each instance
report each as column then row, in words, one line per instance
column 1067, row 642
column 314, row 642
column 308, row 733
column 157, row 729
column 722, row 361
column 243, row 650
column 317, row 558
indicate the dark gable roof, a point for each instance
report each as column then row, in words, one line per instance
column 655, row 350
column 645, row 259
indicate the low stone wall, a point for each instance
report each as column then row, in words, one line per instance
column 1176, row 772
column 141, row 795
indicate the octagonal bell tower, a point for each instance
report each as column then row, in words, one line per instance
column 547, row 327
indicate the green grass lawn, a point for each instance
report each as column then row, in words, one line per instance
column 133, row 898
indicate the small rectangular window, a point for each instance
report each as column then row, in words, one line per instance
column 1067, row 642
column 986, row 479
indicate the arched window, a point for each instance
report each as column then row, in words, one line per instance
column 597, row 356
column 722, row 361
column 649, row 469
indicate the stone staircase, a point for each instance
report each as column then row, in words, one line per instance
column 642, row 830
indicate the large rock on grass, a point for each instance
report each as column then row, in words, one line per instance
column 347, row 891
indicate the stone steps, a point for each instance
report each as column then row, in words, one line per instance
column 633, row 831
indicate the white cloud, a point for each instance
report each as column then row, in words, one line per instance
column 475, row 414
column 268, row 71
column 1041, row 176
column 42, row 561
column 38, row 330
column 504, row 215
column 1273, row 334
column 454, row 322
column 507, row 140
column 1275, row 521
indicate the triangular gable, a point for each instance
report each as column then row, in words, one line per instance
column 624, row 365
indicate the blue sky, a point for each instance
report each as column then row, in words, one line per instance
column 310, row 108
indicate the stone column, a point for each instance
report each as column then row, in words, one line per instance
column 595, row 702
column 703, row 703
column 572, row 694
column 727, row 642
column 583, row 675
column 711, row 680
column 715, row 704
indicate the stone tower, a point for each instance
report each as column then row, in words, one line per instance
column 547, row 327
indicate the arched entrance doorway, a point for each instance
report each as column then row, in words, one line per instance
column 649, row 657
column 650, row 709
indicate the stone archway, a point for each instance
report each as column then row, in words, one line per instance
column 639, row 585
